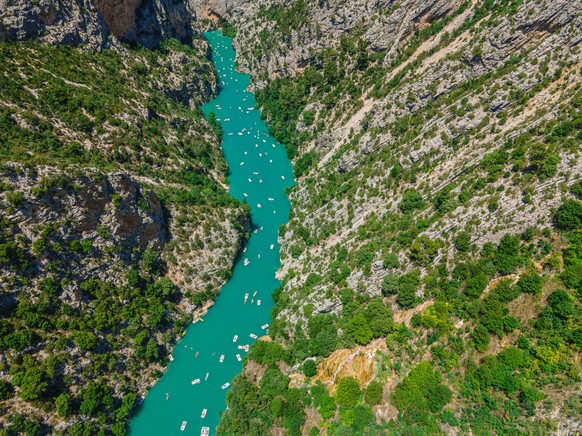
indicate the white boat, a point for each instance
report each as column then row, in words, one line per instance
column 271, row 199
column 171, row 358
column 272, row 246
column 195, row 381
column 246, row 262
column 250, row 180
column 235, row 338
column 221, row 358
column 259, row 205
column 183, row 426
column 259, row 256
column 246, row 348
column 241, row 347
column 206, row 378
column 258, row 302
column 283, row 177
column 224, row 386
column 264, row 326
column 203, row 414
column 238, row 357
column 205, row 431
column 260, row 180
column 246, row 297
column 252, row 335
column 242, row 163
column 256, row 173
column 255, row 293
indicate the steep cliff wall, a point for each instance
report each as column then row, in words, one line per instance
column 90, row 23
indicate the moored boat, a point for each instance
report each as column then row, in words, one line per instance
column 183, row 426
column 224, row 386
column 203, row 414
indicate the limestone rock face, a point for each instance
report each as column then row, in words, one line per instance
column 90, row 23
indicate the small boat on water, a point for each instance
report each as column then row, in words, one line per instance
column 206, row 378
column 205, row 431
column 238, row 357
column 255, row 293
column 235, row 338
column 171, row 358
column 252, row 335
column 246, row 262
column 203, row 414
column 221, row 358
column 258, row 302
column 246, row 297
column 195, row 381
column 167, row 396
column 264, row 326
column 183, row 426
column 272, row 246
column 259, row 205
column 224, row 386
column 271, row 199
column 197, row 354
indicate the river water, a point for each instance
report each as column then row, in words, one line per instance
column 259, row 173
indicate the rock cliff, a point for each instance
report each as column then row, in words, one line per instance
column 91, row 23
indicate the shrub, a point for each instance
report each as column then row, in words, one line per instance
column 374, row 392
column 569, row 215
column 411, row 200
column 348, row 392
column 309, row 368
column 530, row 282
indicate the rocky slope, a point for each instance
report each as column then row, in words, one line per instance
column 115, row 222
column 426, row 136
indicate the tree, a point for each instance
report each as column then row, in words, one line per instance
column 407, row 287
column 374, row 392
column 390, row 284
column 359, row 329
column 507, row 257
column 481, row 337
column 63, row 405
column 569, row 215
column 411, row 200
column 379, row 318
column 33, row 384
column 309, row 368
column 348, row 392
column 462, row 241
column 530, row 282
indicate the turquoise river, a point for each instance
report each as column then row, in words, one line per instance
column 259, row 173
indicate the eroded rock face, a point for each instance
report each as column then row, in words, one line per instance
column 91, row 22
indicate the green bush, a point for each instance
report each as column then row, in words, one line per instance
column 530, row 282
column 374, row 392
column 309, row 368
column 569, row 215
column 411, row 200
column 348, row 392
